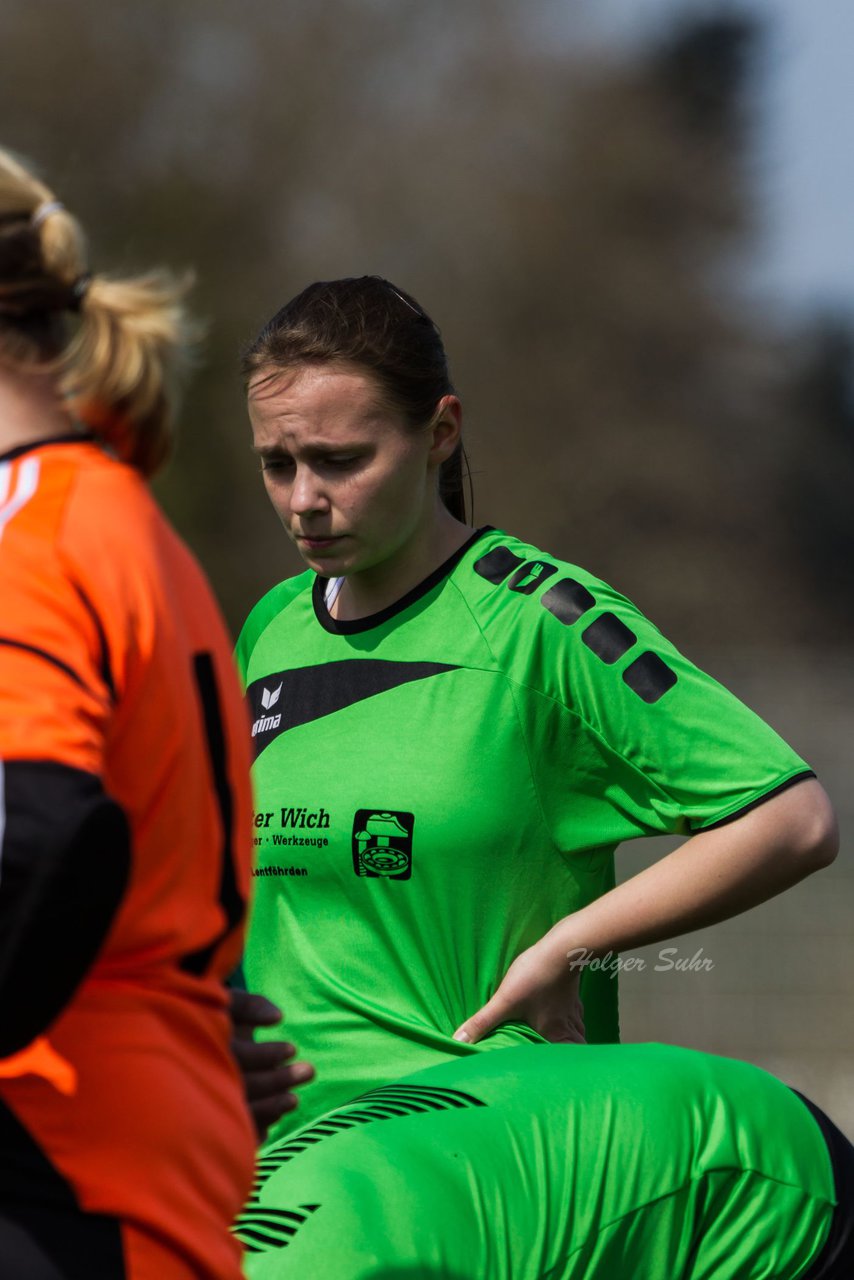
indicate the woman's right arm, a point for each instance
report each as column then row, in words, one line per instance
column 65, row 847
column 65, row 850
column 711, row 877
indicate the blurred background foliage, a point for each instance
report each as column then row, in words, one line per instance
column 582, row 226
column 579, row 225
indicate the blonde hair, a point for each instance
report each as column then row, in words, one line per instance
column 119, row 367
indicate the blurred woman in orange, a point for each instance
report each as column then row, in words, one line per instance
column 126, row 1146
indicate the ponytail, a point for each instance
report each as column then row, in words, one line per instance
column 120, row 367
column 452, row 477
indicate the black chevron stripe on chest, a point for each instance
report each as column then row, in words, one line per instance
column 285, row 699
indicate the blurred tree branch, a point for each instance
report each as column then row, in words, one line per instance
column 579, row 227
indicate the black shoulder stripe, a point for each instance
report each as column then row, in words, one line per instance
column 496, row 564
column 48, row 657
column 608, row 637
column 650, row 677
column 105, row 663
column 568, row 600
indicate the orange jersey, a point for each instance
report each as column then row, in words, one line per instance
column 115, row 664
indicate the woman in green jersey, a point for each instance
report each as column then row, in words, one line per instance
column 454, row 730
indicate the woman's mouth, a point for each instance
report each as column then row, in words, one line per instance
column 315, row 543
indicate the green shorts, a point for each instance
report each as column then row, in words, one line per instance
column 580, row 1162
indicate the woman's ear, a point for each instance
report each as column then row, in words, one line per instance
column 446, row 429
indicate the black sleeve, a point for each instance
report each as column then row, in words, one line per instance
column 65, row 853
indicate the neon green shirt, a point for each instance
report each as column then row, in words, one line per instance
column 438, row 784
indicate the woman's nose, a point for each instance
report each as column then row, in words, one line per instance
column 307, row 493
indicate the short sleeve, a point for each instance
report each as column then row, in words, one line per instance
column 55, row 696
column 634, row 739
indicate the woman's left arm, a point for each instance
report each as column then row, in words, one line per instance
column 714, row 875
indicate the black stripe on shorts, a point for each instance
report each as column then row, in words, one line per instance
column 836, row 1259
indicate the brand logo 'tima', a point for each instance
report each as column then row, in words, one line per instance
column 269, row 698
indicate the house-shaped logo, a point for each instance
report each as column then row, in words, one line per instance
column 382, row 843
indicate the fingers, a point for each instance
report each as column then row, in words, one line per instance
column 266, row 1085
column 265, row 1067
column 578, row 1030
column 262, row 1055
column 557, row 1025
column 482, row 1022
column 269, row 1077
column 270, row 1110
column 467, row 1033
column 270, row 1093
column 572, row 1034
column 562, row 1026
column 249, row 1010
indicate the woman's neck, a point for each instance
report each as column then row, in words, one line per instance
column 368, row 592
column 31, row 410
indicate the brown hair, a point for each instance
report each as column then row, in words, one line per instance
column 367, row 321
column 119, row 365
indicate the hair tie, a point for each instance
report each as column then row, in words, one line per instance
column 44, row 211
column 78, row 289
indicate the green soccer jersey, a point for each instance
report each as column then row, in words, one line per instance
column 439, row 783
column 572, row 1162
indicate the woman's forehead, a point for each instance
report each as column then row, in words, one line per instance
column 319, row 398
column 315, row 382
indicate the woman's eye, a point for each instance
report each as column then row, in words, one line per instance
column 330, row 462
